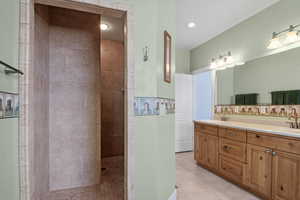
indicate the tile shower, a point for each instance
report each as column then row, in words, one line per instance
column 66, row 103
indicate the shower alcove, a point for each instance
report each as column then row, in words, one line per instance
column 77, row 98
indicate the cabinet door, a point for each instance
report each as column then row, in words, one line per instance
column 286, row 176
column 258, row 169
column 212, row 152
column 202, row 148
column 196, row 150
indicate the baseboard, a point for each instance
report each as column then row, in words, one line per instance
column 173, row 196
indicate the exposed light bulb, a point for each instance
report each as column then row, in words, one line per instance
column 229, row 58
column 274, row 43
column 291, row 37
column 221, row 61
column 104, row 27
column 213, row 64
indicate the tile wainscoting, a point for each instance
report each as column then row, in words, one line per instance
column 147, row 106
column 276, row 115
column 258, row 110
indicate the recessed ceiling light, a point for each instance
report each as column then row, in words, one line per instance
column 191, row 24
column 104, row 27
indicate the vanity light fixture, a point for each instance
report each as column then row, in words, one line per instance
column 104, row 27
column 292, row 36
column 274, row 42
column 223, row 62
column 285, row 37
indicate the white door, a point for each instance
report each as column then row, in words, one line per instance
column 184, row 113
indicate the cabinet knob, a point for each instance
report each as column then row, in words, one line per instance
column 274, row 153
column 226, row 148
column 290, row 144
column 257, row 136
column 281, row 188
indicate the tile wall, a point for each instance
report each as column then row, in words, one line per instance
column 112, row 98
column 74, row 98
column 40, row 102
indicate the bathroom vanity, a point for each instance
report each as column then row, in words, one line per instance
column 263, row 159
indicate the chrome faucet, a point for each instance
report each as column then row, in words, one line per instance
column 293, row 115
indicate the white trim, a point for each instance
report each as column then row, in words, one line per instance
column 173, row 196
column 214, row 92
column 202, row 69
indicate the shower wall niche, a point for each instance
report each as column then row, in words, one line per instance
column 66, row 104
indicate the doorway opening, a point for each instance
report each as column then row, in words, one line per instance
column 77, row 105
column 203, row 95
column 112, row 107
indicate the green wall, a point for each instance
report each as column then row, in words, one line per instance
column 225, row 86
column 9, row 21
column 249, row 39
column 182, row 61
column 155, row 150
column 155, row 157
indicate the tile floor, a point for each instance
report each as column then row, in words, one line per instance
column 111, row 187
column 196, row 183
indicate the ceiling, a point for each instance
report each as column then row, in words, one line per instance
column 115, row 31
column 212, row 17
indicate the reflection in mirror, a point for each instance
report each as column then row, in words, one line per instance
column 262, row 76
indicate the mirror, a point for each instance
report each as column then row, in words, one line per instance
column 260, row 77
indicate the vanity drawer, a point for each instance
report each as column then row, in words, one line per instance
column 233, row 149
column 209, row 129
column 260, row 139
column 232, row 169
column 274, row 142
column 233, row 134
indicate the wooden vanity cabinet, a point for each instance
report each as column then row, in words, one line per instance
column 259, row 169
column 286, row 176
column 232, row 149
column 202, row 147
column 263, row 163
column 231, row 169
column 207, row 147
column 212, row 152
column 208, row 151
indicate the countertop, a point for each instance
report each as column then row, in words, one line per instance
column 276, row 130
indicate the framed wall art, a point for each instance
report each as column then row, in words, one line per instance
column 167, row 57
column 9, row 105
column 146, row 106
